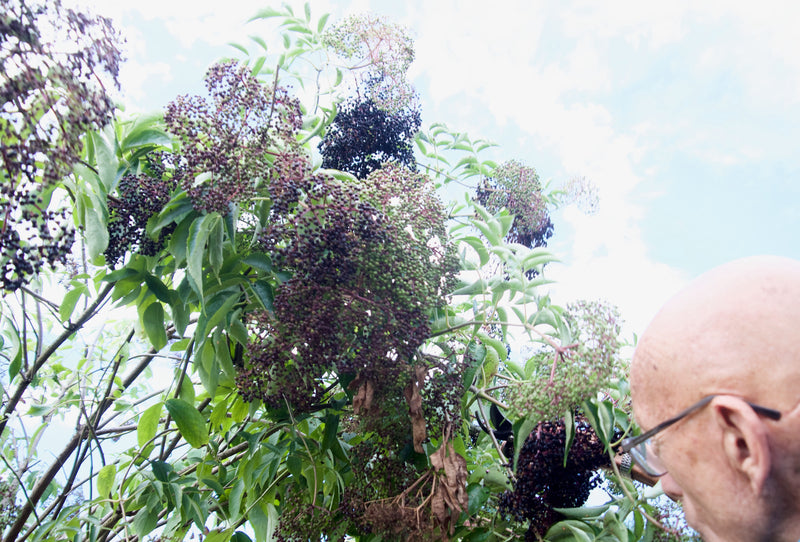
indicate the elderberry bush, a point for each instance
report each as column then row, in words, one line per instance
column 49, row 97
column 544, row 482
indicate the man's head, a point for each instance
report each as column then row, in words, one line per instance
column 734, row 333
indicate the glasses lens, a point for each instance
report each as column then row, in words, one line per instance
column 649, row 462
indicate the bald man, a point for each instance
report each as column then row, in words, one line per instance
column 715, row 382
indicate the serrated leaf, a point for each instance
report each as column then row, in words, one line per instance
column 190, row 422
column 522, row 429
column 215, row 242
column 15, row 355
column 259, row 40
column 322, row 21
column 199, row 232
column 105, row 480
column 68, row 303
column 265, row 14
column 144, row 522
column 218, row 536
column 240, row 47
column 148, row 424
column 235, row 499
column 584, row 511
column 265, row 294
column 153, row 321
column 158, row 288
column 479, row 247
column 96, row 234
column 477, row 287
column 146, row 136
column 489, row 232
column 258, row 260
column 569, row 427
column 256, row 69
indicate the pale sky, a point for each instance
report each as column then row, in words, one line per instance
column 685, row 114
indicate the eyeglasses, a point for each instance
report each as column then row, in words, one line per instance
column 641, row 447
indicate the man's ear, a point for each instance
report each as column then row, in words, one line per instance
column 745, row 440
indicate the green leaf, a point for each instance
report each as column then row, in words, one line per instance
column 96, row 224
column 242, row 48
column 569, row 427
column 177, row 208
column 264, row 522
column 265, row 294
column 479, row 247
column 321, row 23
column 70, row 300
column 265, row 14
column 218, row 536
column 105, row 480
column 146, row 136
column 195, row 248
column 106, row 157
column 256, row 69
column 570, row 530
column 584, row 511
column 477, row 287
column 491, row 235
column 145, row 521
column 215, row 242
column 190, row 422
column 153, row 320
column 235, row 499
column 180, row 315
column 223, row 353
column 259, row 40
column 478, row 495
column 15, row 355
column 259, row 261
column 148, row 424
column 158, row 288
column 522, row 429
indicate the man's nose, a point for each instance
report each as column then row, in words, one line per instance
column 671, row 488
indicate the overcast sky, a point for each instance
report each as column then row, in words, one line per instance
column 685, row 114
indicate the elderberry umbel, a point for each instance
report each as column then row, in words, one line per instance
column 49, row 97
column 517, row 188
column 227, row 142
column 544, row 482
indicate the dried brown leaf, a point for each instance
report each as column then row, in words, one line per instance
column 414, row 400
column 363, row 397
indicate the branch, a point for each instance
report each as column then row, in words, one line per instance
column 27, row 377
column 80, row 434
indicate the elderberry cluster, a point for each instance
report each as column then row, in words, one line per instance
column 563, row 381
column 368, row 262
column 301, row 521
column 227, row 142
column 49, row 97
column 544, row 482
column 363, row 137
column 139, row 197
column 516, row 187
